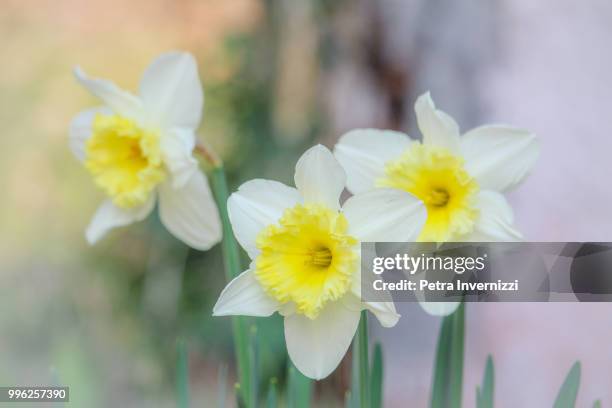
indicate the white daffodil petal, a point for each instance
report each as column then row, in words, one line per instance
column 257, row 204
column 245, row 296
column 437, row 127
column 385, row 214
column 384, row 311
column 190, row 212
column 120, row 101
column 499, row 157
column 435, row 308
column 109, row 216
column 439, row 308
column 363, row 153
column 317, row 346
column 383, row 308
column 177, row 156
column 186, row 136
column 319, row 177
column 171, row 91
column 80, row 129
column 495, row 220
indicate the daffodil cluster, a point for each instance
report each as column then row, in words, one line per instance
column 304, row 244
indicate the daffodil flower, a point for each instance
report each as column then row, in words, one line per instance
column 139, row 148
column 459, row 178
column 305, row 256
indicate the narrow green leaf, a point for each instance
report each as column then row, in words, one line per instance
column 597, row 404
column 182, row 375
column 457, row 350
column 484, row 395
column 448, row 371
column 231, row 261
column 238, row 391
column 376, row 377
column 253, row 364
column 569, row 390
column 229, row 246
column 272, row 400
column 300, row 389
column 364, row 361
column 439, row 393
column 231, row 254
column 353, row 394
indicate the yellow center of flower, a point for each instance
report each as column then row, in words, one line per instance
column 124, row 159
column 439, row 179
column 307, row 258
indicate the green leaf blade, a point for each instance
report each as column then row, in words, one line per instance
column 182, row 374
column 233, row 268
column 364, row 361
column 484, row 395
column 448, row 371
column 569, row 390
column 299, row 389
column 376, row 377
column 272, row 400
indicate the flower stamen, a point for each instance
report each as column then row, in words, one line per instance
column 307, row 258
column 124, row 159
column 321, row 257
column 438, row 178
column 438, row 197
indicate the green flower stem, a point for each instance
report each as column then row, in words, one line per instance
column 182, row 374
column 364, row 361
column 231, row 260
column 448, row 369
column 376, row 377
column 299, row 388
column 272, row 401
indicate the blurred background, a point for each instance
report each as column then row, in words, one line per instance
column 280, row 75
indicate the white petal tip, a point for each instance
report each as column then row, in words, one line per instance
column 390, row 321
column 355, row 133
column 385, row 313
column 79, row 74
column 218, row 310
column 393, row 320
column 440, row 309
column 204, row 243
column 319, row 148
column 425, row 97
column 205, row 246
column 177, row 56
column 90, row 238
column 313, row 375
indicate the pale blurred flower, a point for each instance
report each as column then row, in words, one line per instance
column 305, row 251
column 139, row 148
column 459, row 178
